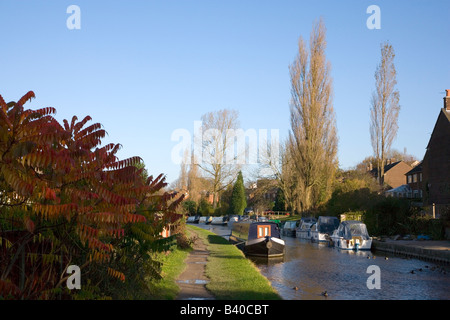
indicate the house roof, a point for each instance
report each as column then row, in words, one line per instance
column 446, row 114
column 387, row 167
column 416, row 169
column 402, row 188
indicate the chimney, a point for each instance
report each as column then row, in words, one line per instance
column 447, row 100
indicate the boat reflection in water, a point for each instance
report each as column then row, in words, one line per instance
column 267, row 261
column 258, row 239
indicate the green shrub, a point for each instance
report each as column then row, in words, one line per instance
column 388, row 216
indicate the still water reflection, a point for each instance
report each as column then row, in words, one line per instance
column 309, row 269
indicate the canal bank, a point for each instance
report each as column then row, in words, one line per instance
column 192, row 281
column 217, row 270
column 430, row 250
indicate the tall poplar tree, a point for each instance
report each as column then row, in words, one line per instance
column 313, row 137
column 384, row 108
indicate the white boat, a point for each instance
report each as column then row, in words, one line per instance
column 351, row 235
column 323, row 228
column 191, row 219
column 303, row 230
column 205, row 220
column 232, row 220
column 289, row 228
column 219, row 221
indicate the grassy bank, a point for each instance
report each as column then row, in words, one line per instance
column 231, row 274
column 173, row 266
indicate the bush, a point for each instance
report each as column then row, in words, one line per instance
column 205, row 208
column 424, row 224
column 388, row 216
column 190, row 207
column 222, row 210
column 354, row 200
column 66, row 199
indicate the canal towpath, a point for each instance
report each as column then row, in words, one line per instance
column 192, row 281
column 432, row 250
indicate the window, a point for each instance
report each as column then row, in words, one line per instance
column 420, row 176
column 263, row 231
column 409, row 178
column 415, row 177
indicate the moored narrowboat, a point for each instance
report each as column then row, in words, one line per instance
column 260, row 239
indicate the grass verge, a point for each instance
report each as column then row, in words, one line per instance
column 232, row 276
column 173, row 265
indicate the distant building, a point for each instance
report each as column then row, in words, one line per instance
column 436, row 162
column 394, row 173
column 414, row 179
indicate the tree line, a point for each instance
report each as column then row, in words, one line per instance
column 305, row 169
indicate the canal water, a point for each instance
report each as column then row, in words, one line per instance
column 308, row 270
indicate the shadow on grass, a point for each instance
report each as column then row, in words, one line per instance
column 215, row 239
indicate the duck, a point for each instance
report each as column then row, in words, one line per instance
column 325, row 293
column 295, row 288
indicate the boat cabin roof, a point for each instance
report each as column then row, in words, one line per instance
column 263, row 229
column 327, row 224
column 352, row 228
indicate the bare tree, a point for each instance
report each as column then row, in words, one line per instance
column 218, row 157
column 278, row 165
column 313, row 137
column 195, row 182
column 182, row 182
column 384, row 108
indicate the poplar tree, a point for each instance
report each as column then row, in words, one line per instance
column 384, row 108
column 312, row 143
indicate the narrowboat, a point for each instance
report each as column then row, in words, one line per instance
column 323, row 228
column 219, row 221
column 205, row 220
column 191, row 219
column 259, row 239
column 351, row 235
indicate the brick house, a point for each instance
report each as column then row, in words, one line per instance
column 436, row 162
column 414, row 179
column 394, row 173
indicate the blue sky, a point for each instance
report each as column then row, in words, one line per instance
column 146, row 68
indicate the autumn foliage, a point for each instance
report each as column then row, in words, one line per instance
column 67, row 200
